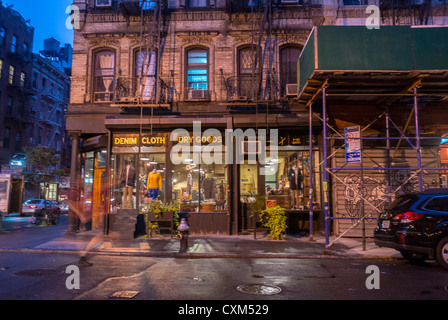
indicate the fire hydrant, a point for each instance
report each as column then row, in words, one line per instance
column 183, row 235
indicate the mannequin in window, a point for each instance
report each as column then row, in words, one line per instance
column 189, row 191
column 127, row 178
column 154, row 183
column 209, row 185
column 295, row 178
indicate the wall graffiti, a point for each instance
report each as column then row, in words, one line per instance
column 375, row 193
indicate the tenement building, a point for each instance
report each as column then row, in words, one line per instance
column 195, row 103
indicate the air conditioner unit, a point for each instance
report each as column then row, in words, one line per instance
column 194, row 94
column 103, row 3
column 291, row 90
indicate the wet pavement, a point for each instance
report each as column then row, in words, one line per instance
column 199, row 246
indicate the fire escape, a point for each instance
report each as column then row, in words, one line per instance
column 406, row 12
column 254, row 84
column 144, row 87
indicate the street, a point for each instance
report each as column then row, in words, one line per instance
column 44, row 276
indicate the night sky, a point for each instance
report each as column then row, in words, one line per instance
column 47, row 17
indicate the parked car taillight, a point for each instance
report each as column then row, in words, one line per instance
column 408, row 217
column 32, row 206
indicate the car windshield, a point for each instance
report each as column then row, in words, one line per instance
column 403, row 203
column 19, row 157
column 34, row 201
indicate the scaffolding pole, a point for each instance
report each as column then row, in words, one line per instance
column 325, row 160
column 310, row 158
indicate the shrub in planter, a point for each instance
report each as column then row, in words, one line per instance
column 157, row 209
column 275, row 220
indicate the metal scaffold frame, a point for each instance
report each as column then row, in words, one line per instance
column 367, row 82
column 331, row 171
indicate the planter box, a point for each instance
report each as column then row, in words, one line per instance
column 164, row 219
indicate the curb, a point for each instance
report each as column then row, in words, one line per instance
column 192, row 255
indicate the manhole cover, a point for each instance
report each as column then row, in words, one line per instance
column 38, row 272
column 259, row 289
column 124, row 294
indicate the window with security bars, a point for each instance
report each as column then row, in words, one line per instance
column 248, row 72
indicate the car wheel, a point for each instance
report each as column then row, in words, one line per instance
column 442, row 253
column 414, row 257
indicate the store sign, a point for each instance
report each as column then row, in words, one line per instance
column 352, row 144
column 203, row 139
column 132, row 140
column 293, row 139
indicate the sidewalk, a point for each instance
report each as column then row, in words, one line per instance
column 218, row 246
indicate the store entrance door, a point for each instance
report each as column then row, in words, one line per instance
column 248, row 182
column 98, row 198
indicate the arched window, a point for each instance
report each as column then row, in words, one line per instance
column 104, row 76
column 248, row 72
column 289, row 55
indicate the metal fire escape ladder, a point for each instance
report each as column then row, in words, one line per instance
column 152, row 48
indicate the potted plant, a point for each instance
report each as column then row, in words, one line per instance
column 275, row 220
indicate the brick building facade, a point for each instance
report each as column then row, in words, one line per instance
column 144, row 69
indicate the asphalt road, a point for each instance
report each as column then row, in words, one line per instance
column 45, row 276
column 48, row 276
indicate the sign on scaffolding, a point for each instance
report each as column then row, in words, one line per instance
column 352, row 144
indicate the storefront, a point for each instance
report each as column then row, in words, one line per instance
column 210, row 173
column 192, row 170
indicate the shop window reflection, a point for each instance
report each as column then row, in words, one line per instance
column 200, row 187
column 152, row 178
column 287, row 179
column 124, row 181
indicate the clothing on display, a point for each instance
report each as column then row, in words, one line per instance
column 189, row 184
column 209, row 185
column 154, row 180
column 127, row 197
column 295, row 178
column 127, row 180
column 128, row 176
column 153, row 193
column 154, row 184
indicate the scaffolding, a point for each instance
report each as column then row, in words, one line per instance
column 393, row 157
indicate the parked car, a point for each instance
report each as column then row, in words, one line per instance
column 417, row 226
column 38, row 206
column 63, row 205
column 18, row 160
